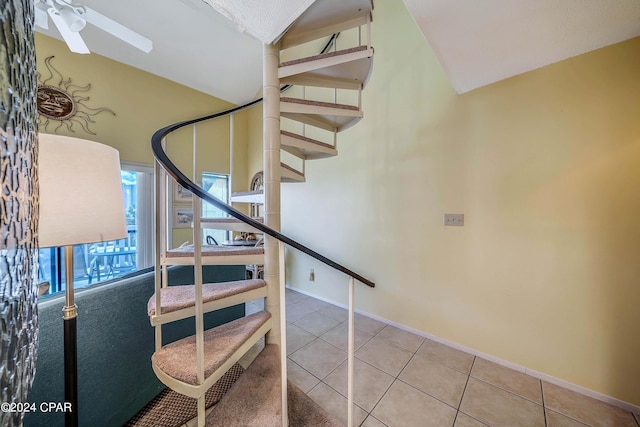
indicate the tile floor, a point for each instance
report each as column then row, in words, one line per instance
column 402, row 379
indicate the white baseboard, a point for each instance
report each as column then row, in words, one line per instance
column 541, row 376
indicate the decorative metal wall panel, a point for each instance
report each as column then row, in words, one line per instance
column 63, row 103
column 18, row 207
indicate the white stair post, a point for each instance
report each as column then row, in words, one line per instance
column 350, row 353
column 271, row 167
column 283, row 334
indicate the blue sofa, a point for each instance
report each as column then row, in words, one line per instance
column 115, row 344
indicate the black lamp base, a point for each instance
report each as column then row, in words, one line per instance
column 70, row 313
column 70, row 372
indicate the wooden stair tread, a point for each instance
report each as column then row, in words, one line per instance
column 306, row 148
column 255, row 196
column 178, row 359
column 348, row 69
column 174, row 298
column 247, row 193
column 325, row 120
column 230, row 224
column 324, row 18
column 319, row 103
column 290, row 174
column 307, row 139
column 215, row 255
column 215, row 250
column 227, row 220
column 324, row 55
column 324, row 115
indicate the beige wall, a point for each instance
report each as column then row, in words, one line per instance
column 546, row 168
column 144, row 103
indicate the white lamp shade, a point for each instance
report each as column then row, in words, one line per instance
column 81, row 198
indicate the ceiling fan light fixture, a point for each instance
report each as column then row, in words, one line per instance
column 71, row 18
column 74, row 22
column 73, row 39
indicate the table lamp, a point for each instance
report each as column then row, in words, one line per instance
column 81, row 201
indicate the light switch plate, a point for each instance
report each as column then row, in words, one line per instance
column 455, row 220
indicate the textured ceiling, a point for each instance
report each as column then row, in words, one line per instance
column 477, row 42
column 481, row 42
column 264, row 20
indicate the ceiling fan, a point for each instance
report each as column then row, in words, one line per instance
column 71, row 18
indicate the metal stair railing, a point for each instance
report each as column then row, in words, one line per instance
column 175, row 173
column 163, row 162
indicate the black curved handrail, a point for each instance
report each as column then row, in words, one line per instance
column 172, row 169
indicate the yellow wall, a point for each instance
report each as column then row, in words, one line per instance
column 546, row 168
column 144, row 103
column 254, row 144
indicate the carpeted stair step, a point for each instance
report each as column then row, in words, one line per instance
column 216, row 255
column 178, row 302
column 304, row 147
column 321, row 56
column 289, row 174
column 255, row 196
column 230, row 224
column 322, row 19
column 342, row 69
column 254, row 399
column 171, row 409
column 176, row 364
column 324, row 115
column 304, row 412
column 312, row 103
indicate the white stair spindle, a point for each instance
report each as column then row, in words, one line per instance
column 199, row 310
column 369, row 30
column 283, row 334
column 195, row 154
column 351, row 349
column 166, row 206
column 160, row 217
column 197, row 276
column 231, row 146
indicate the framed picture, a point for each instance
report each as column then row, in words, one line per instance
column 181, row 194
column 182, row 216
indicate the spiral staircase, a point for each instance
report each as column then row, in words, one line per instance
column 323, row 99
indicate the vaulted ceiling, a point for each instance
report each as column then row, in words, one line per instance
column 481, row 42
column 215, row 46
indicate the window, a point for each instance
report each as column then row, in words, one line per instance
column 218, row 186
column 96, row 262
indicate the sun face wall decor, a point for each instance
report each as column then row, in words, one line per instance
column 63, row 104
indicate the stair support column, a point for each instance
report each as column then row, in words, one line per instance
column 271, row 167
column 271, row 185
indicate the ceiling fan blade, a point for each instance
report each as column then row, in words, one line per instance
column 42, row 19
column 73, row 40
column 117, row 30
